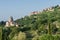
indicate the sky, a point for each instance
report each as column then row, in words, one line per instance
column 21, row 8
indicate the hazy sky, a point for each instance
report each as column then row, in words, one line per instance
column 20, row 8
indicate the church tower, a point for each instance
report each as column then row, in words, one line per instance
column 10, row 19
column 11, row 22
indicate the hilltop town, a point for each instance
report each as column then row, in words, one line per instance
column 11, row 22
column 44, row 25
column 46, row 9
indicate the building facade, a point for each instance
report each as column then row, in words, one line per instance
column 11, row 22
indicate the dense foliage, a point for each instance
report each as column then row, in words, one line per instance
column 42, row 26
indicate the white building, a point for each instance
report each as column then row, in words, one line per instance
column 11, row 22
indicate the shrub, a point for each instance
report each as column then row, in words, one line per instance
column 49, row 37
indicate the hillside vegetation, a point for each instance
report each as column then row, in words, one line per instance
column 42, row 26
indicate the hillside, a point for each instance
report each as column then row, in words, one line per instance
column 43, row 25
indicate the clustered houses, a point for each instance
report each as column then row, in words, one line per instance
column 47, row 9
column 11, row 22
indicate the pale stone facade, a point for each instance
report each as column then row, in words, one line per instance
column 10, row 23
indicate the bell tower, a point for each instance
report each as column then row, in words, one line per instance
column 10, row 19
column 11, row 22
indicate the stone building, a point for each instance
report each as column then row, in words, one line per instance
column 11, row 22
